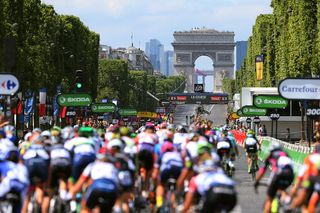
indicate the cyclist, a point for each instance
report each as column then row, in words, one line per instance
column 83, row 151
column 309, row 181
column 213, row 186
column 282, row 173
column 251, row 146
column 101, row 179
column 37, row 160
column 59, row 171
column 180, row 137
column 14, row 178
column 224, row 147
column 169, row 165
column 126, row 170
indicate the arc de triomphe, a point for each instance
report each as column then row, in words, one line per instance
column 190, row 45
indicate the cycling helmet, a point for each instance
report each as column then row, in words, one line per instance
column 149, row 125
column 9, row 128
column 181, row 129
column 203, row 146
column 124, row 131
column 167, row 147
column 250, row 132
column 163, row 125
column 275, row 146
column 46, row 134
column 85, row 132
column 115, row 143
column 67, row 133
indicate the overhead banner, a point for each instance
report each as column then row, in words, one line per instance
column 198, row 98
column 259, row 67
column 300, row 88
column 103, row 107
column 74, row 99
column 270, row 102
column 147, row 115
column 253, row 111
column 128, row 112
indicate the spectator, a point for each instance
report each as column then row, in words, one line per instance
column 264, row 130
column 260, row 130
column 316, row 130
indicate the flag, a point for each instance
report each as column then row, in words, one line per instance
column 259, row 67
column 18, row 108
column 63, row 112
column 42, row 102
column 28, row 108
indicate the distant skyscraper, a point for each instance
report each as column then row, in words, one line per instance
column 241, row 53
column 155, row 51
column 168, row 55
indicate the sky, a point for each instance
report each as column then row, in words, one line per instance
column 116, row 20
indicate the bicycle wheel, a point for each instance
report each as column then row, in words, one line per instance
column 253, row 169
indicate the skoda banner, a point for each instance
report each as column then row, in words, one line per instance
column 74, row 99
column 128, row 112
column 103, row 107
column 270, row 102
column 252, row 111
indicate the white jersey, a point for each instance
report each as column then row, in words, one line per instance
column 170, row 159
column 250, row 141
column 36, row 151
column 180, row 138
column 223, row 145
column 192, row 150
column 81, row 145
column 101, row 170
column 204, row 181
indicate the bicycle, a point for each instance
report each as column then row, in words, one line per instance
column 170, row 199
column 10, row 203
column 225, row 165
column 253, row 165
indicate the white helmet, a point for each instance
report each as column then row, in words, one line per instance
column 115, row 143
column 275, row 146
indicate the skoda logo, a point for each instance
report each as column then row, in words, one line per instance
column 94, row 107
column 258, row 101
column 245, row 110
column 62, row 99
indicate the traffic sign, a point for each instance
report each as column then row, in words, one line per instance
column 313, row 112
column 270, row 102
column 256, row 120
column 253, row 111
column 274, row 116
column 73, row 99
column 300, row 88
column 9, row 84
column 248, row 120
column 128, row 112
column 198, row 88
column 103, row 107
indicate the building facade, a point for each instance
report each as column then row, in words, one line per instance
column 241, row 53
column 155, row 51
column 168, row 55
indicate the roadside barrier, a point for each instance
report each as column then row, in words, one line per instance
column 296, row 152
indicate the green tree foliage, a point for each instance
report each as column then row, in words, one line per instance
column 289, row 40
column 229, row 86
column 50, row 47
column 113, row 80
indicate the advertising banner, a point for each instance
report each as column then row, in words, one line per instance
column 300, row 88
column 270, row 102
column 252, row 111
column 103, row 107
column 74, row 99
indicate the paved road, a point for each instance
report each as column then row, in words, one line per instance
column 218, row 113
column 248, row 200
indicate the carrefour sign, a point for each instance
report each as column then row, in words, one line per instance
column 300, row 89
column 270, row 102
column 74, row 100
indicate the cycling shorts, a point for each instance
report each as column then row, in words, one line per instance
column 38, row 169
column 102, row 193
column 59, row 169
column 281, row 180
column 251, row 148
column 171, row 172
column 126, row 180
column 223, row 151
column 220, row 198
column 146, row 159
column 79, row 164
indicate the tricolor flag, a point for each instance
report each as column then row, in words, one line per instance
column 42, row 102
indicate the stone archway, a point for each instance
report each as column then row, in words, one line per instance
column 219, row 46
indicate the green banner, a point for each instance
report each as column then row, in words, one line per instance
column 239, row 113
column 251, row 111
column 74, row 99
column 103, row 107
column 270, row 102
column 128, row 112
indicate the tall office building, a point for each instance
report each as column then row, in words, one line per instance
column 168, row 55
column 155, row 51
column 241, row 53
